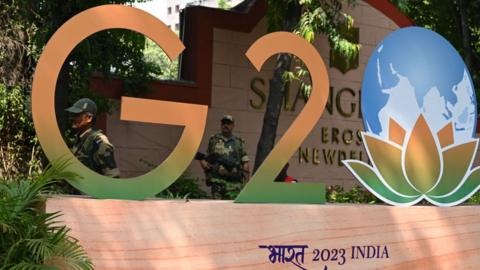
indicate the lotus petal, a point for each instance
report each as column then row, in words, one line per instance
column 466, row 190
column 445, row 135
column 456, row 162
column 396, row 133
column 388, row 161
column 367, row 176
column 422, row 158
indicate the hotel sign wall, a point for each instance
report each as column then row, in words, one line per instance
column 331, row 137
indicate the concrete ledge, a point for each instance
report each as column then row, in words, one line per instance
column 174, row 234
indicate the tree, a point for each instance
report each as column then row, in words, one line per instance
column 16, row 54
column 156, row 56
column 306, row 18
column 19, row 149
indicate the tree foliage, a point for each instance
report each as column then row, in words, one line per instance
column 156, row 56
column 19, row 148
column 17, row 57
column 322, row 18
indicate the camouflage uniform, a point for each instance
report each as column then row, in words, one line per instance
column 94, row 150
column 226, row 182
column 92, row 147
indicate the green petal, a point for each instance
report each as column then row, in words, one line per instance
column 468, row 188
column 388, row 161
column 456, row 162
column 367, row 176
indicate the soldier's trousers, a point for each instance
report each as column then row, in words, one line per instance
column 223, row 189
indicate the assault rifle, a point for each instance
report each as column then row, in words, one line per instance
column 226, row 162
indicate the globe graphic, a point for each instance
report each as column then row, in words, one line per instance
column 416, row 71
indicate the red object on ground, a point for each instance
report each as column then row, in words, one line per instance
column 290, row 179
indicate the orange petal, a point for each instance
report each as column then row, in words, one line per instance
column 396, row 133
column 445, row 135
column 422, row 158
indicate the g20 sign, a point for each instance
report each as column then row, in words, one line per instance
column 392, row 168
column 192, row 117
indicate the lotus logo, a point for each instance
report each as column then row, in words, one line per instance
column 419, row 111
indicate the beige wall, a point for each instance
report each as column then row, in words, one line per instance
column 231, row 94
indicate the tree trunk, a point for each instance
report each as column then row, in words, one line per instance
column 472, row 61
column 464, row 26
column 276, row 92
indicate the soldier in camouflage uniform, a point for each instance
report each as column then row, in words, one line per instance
column 91, row 146
column 225, row 148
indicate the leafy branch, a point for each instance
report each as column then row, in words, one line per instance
column 31, row 238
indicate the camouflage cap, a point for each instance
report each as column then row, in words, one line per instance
column 227, row 117
column 83, row 105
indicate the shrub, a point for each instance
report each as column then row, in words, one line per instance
column 186, row 186
column 337, row 194
column 29, row 237
column 19, row 147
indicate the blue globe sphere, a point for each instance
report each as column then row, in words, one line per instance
column 416, row 71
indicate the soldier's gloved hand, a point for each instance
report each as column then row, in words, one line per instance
column 205, row 165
